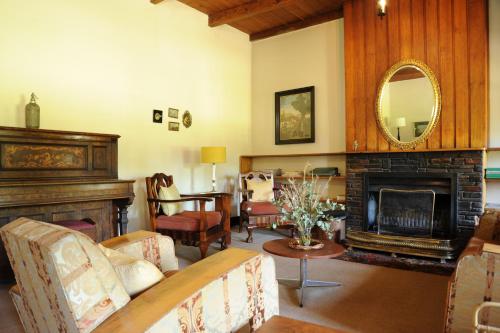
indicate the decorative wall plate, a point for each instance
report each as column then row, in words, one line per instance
column 187, row 120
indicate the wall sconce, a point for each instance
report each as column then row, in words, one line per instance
column 382, row 8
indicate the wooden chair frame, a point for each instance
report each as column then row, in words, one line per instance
column 202, row 238
column 246, row 195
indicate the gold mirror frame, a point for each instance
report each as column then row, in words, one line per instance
column 435, row 113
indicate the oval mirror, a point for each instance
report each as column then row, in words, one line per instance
column 408, row 103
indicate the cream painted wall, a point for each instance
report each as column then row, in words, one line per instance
column 103, row 66
column 493, row 189
column 398, row 93
column 310, row 57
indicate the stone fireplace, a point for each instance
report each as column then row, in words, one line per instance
column 419, row 203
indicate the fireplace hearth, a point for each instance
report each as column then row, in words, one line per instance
column 422, row 204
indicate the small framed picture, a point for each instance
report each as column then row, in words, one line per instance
column 294, row 116
column 157, row 116
column 173, row 126
column 420, row 127
column 173, row 113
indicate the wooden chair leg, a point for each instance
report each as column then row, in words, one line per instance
column 203, row 249
column 242, row 221
column 223, row 243
column 250, row 234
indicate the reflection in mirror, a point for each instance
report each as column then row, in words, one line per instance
column 407, row 104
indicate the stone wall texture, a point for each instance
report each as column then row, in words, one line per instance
column 468, row 165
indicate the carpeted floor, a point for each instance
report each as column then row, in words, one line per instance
column 372, row 299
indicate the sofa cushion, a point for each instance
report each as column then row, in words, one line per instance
column 170, row 193
column 136, row 275
column 262, row 190
column 259, row 208
column 187, row 221
column 70, row 283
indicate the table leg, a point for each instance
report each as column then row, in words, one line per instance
column 304, row 282
column 303, row 279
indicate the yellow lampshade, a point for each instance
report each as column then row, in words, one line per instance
column 213, row 154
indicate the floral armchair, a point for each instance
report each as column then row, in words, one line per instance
column 65, row 283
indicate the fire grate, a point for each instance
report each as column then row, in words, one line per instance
column 406, row 212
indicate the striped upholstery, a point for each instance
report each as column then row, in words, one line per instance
column 223, row 293
column 246, row 295
column 70, row 284
column 476, row 278
column 152, row 246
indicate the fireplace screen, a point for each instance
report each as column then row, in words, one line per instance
column 406, row 212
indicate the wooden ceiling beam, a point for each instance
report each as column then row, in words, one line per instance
column 300, row 24
column 245, row 10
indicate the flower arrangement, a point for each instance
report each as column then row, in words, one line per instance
column 301, row 202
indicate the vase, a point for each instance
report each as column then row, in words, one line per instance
column 372, row 211
column 305, row 236
column 32, row 111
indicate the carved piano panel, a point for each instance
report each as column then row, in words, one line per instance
column 55, row 175
column 41, row 154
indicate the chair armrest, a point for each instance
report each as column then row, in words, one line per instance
column 151, row 246
column 207, row 194
column 164, row 306
column 489, row 227
column 183, row 199
column 491, row 248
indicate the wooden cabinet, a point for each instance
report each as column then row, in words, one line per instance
column 450, row 36
column 54, row 176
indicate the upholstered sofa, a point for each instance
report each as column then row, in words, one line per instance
column 65, row 283
column 474, row 287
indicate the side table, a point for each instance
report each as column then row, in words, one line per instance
column 280, row 248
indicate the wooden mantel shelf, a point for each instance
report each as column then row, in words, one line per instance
column 419, row 150
column 341, row 153
column 294, row 155
column 333, row 178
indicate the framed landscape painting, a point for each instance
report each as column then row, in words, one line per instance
column 294, row 116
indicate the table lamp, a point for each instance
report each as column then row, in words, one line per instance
column 213, row 155
column 400, row 122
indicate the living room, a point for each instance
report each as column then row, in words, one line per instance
column 175, row 78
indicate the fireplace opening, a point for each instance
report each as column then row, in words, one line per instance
column 405, row 212
column 413, row 205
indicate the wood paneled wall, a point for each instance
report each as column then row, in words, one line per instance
column 451, row 36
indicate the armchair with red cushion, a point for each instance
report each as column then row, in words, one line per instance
column 194, row 228
column 257, row 210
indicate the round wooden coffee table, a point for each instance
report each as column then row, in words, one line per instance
column 280, row 248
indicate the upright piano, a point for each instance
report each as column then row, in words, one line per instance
column 55, row 176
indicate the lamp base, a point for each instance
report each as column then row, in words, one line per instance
column 213, row 177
